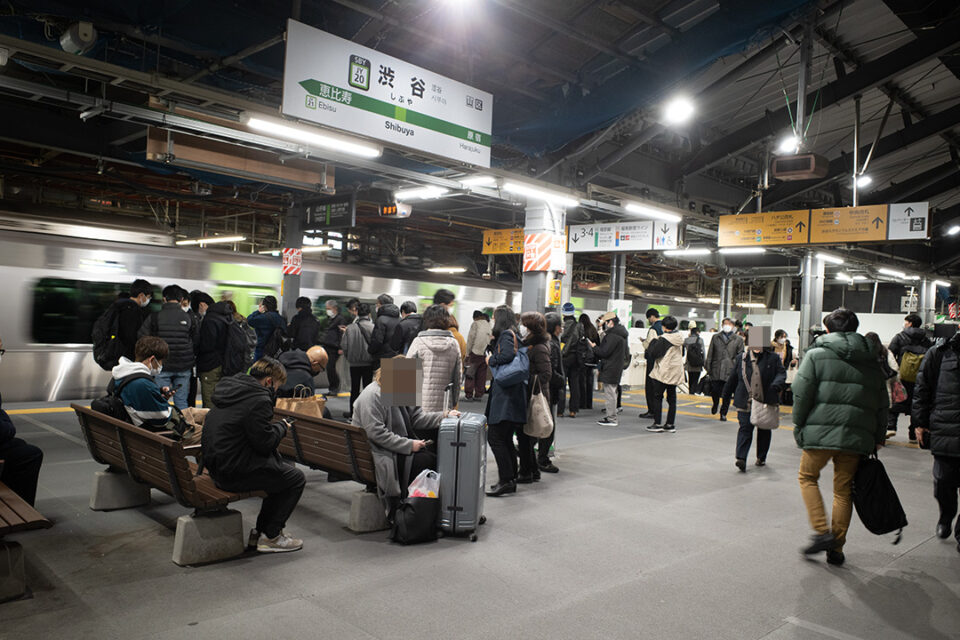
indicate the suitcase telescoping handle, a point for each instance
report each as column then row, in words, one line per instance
column 447, row 392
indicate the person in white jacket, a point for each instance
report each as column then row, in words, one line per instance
column 439, row 351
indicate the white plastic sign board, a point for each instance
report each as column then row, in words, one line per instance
column 909, row 221
column 338, row 83
column 909, row 304
column 638, row 235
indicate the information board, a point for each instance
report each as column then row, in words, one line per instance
column 848, row 224
column 499, row 241
column 638, row 235
column 769, row 228
column 332, row 212
column 909, row 221
column 339, row 83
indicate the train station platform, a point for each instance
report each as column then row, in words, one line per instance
column 640, row 535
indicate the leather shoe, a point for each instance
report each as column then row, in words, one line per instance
column 742, row 465
column 525, row 478
column 646, row 416
column 835, row 558
column 820, row 542
column 723, row 417
column 502, row 488
column 943, row 531
column 549, row 467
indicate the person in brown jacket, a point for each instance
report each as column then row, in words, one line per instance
column 533, row 331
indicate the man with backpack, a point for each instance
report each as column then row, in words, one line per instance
column 181, row 333
column 304, row 328
column 388, row 319
column 134, row 384
column 936, row 414
column 908, row 347
column 115, row 331
column 693, row 347
column 214, row 330
column 355, row 345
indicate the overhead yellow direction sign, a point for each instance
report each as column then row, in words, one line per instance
column 848, row 224
column 770, row 228
column 497, row 241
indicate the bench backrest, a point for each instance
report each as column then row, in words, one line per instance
column 328, row 445
column 147, row 457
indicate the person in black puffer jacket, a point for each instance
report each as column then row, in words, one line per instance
column 411, row 323
column 240, row 442
column 301, row 367
column 388, row 319
column 182, row 335
column 936, row 413
column 304, row 328
column 213, row 344
column 772, row 379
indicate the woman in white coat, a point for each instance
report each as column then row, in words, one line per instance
column 439, row 351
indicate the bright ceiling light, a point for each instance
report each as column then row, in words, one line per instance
column 687, row 252
column 551, row 197
column 860, row 278
column 479, row 181
column 652, row 212
column 317, row 248
column 941, row 283
column 211, row 240
column 733, row 251
column 752, row 305
column 954, row 230
column 892, row 273
column 312, row 136
column 709, row 300
column 420, row 193
column 826, row 257
column 447, row 269
column 678, row 111
column 843, row 276
column 864, row 181
column 913, row 278
column 789, row 145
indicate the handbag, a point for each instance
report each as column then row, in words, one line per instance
column 516, row 371
column 762, row 415
column 415, row 521
column 539, row 419
column 303, row 402
column 898, row 392
column 792, row 374
column 876, row 499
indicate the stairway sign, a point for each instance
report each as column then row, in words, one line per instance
column 909, row 221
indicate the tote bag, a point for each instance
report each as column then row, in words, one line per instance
column 303, row 402
column 762, row 416
column 539, row 419
column 516, row 371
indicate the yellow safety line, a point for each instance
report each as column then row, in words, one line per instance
column 17, row 412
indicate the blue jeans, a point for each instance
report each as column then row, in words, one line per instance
column 745, row 438
column 173, row 379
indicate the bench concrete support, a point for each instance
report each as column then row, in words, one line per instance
column 13, row 580
column 366, row 513
column 208, row 537
column 115, row 490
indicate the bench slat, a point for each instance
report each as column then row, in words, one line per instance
column 17, row 515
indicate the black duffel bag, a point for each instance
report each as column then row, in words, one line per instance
column 876, row 500
column 416, row 520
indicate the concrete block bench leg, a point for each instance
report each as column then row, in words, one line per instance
column 208, row 537
column 13, row 581
column 116, row 490
column 366, row 513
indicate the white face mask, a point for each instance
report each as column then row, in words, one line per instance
column 186, row 308
column 146, row 301
column 524, row 332
column 782, row 341
column 155, row 370
column 727, row 328
column 331, row 313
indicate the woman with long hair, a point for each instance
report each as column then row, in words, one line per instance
column 589, row 374
column 533, row 330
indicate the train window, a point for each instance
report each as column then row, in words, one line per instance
column 64, row 310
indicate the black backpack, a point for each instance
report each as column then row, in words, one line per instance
column 695, row 355
column 876, row 500
column 278, row 342
column 111, row 404
column 237, row 356
column 107, row 348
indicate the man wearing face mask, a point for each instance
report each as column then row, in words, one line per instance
column 724, row 349
column 131, row 312
column 331, row 342
column 240, row 442
column 145, row 401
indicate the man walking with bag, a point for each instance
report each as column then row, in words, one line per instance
column 839, row 414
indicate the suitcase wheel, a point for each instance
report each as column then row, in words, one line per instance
column 483, row 520
column 473, row 537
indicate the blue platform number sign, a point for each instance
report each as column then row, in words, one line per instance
column 359, row 72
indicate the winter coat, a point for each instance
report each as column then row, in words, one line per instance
column 773, row 377
column 388, row 318
column 839, row 396
column 142, row 398
column 571, row 336
column 239, row 436
column 558, row 378
column 213, row 337
column 687, row 345
column 724, row 348
column 391, row 432
column 265, row 324
column 936, row 398
column 304, row 329
column 784, row 351
column 506, row 404
column 538, row 350
column 7, row 431
column 611, row 353
column 478, row 338
column 461, row 342
column 178, row 330
column 130, row 317
column 440, row 354
column 299, row 373
column 668, row 368
column 407, row 330
column 331, row 337
column 892, row 381
column 912, row 339
column 356, row 341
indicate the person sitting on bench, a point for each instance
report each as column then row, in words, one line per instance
column 398, row 429
column 21, row 460
column 146, row 403
column 240, row 442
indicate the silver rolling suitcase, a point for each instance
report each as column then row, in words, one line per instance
column 462, row 462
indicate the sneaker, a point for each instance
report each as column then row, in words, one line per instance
column 655, row 428
column 723, row 417
column 619, row 409
column 608, row 422
column 761, row 463
column 280, row 544
column 891, row 433
column 742, row 465
column 835, row 558
column 253, row 538
column 820, row 542
column 669, row 428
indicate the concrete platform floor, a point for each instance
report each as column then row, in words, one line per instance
column 640, row 535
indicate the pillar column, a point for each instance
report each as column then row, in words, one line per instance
column 927, row 301
column 566, row 283
column 786, row 289
column 811, row 297
column 292, row 239
column 540, row 217
column 618, row 276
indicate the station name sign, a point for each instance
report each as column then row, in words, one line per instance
column 338, row 83
column 640, row 235
column 872, row 223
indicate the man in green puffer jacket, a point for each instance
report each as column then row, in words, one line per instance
column 840, row 408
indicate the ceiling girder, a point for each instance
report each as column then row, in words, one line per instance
column 902, row 191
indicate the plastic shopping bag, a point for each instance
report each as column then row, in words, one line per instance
column 425, row 485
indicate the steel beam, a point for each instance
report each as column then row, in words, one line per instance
column 933, row 44
column 904, row 190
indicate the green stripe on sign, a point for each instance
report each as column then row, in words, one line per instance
column 392, row 111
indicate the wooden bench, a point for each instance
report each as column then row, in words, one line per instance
column 15, row 516
column 341, row 449
column 138, row 460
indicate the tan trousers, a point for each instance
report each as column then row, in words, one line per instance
column 844, row 467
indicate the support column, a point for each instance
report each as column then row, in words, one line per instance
column 618, row 276
column 786, row 291
column 726, row 304
column 540, row 217
column 811, row 298
column 292, row 239
column 927, row 301
column 566, row 283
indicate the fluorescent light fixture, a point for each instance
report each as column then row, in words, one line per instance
column 860, row 278
column 752, row 305
column 733, row 251
column 826, row 257
column 864, row 181
column 710, row 300
column 941, row 283
column 674, row 253
column 320, row 248
column 789, row 145
column 447, row 269
column 420, row 193
column 479, row 181
column 913, row 278
column 270, row 252
column 551, row 197
column 843, row 276
column 211, row 240
column 678, row 111
column 892, row 273
column 687, row 300
column 313, row 136
column 954, row 230
column 652, row 212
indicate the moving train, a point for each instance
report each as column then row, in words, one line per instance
column 55, row 285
